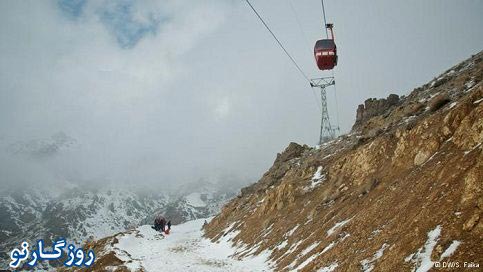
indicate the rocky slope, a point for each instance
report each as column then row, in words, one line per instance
column 400, row 192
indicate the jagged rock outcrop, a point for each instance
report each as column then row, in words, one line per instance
column 402, row 190
column 374, row 107
column 278, row 169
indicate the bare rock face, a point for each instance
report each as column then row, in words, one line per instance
column 278, row 170
column 293, row 150
column 410, row 174
column 374, row 107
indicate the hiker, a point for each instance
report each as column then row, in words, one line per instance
column 159, row 223
column 169, row 227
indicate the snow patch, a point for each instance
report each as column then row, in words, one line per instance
column 450, row 250
column 470, row 84
column 302, row 254
column 478, row 101
column 317, row 179
column 282, row 245
column 368, row 264
column 337, row 226
column 329, row 268
column 194, row 199
column 288, row 234
column 422, row 258
column 307, row 261
column 327, row 248
column 310, row 248
column 375, row 233
column 267, row 231
column 229, row 233
column 469, row 151
column 292, row 248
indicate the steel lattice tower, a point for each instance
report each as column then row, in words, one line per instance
column 327, row 132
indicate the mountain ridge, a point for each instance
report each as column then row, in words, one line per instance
column 399, row 192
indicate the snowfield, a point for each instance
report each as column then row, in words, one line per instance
column 194, row 199
column 184, row 249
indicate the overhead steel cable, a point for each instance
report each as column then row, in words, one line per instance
column 278, row 41
column 316, row 99
column 336, row 104
column 299, row 24
column 325, row 21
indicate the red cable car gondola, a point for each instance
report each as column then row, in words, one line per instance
column 325, row 51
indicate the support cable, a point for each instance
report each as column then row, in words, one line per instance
column 278, row 41
column 336, row 104
column 325, row 21
column 308, row 45
column 300, row 24
column 316, row 99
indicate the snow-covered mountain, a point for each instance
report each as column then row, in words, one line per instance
column 83, row 214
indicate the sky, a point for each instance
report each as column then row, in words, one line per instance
column 160, row 93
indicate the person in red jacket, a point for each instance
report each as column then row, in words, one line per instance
column 169, row 227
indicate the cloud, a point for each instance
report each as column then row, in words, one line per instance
column 72, row 8
column 41, row 148
column 159, row 92
column 60, row 74
column 222, row 108
column 118, row 17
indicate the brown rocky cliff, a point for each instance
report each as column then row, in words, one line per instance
column 374, row 107
column 410, row 170
column 278, row 170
